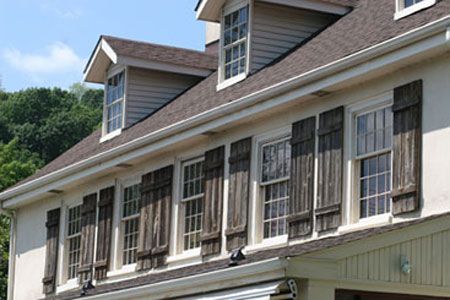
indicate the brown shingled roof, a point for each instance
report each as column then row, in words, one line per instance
column 161, row 53
column 369, row 23
column 290, row 251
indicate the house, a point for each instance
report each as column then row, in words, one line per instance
column 302, row 155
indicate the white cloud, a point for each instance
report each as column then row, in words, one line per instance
column 61, row 9
column 58, row 58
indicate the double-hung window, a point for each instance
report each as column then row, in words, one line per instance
column 114, row 102
column 235, row 32
column 408, row 7
column 274, row 186
column 192, row 202
column 130, row 223
column 373, row 161
column 73, row 241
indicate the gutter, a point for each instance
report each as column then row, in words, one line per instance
column 239, row 104
column 192, row 285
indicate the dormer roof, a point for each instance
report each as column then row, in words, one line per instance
column 115, row 50
column 209, row 10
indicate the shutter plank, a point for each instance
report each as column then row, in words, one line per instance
column 88, row 218
column 213, row 199
column 301, row 200
column 238, row 195
column 51, row 257
column 154, row 231
column 407, row 147
column 330, row 156
column 105, row 215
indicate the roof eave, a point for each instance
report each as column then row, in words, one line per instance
column 23, row 193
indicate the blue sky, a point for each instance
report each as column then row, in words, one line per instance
column 47, row 42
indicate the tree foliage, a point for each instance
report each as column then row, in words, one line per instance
column 36, row 126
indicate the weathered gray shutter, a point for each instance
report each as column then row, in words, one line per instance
column 104, row 231
column 407, row 147
column 329, row 197
column 213, row 199
column 51, row 257
column 154, row 231
column 238, row 194
column 301, row 198
column 88, row 217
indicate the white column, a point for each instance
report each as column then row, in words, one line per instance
column 316, row 289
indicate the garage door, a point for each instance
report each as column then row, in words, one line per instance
column 356, row 295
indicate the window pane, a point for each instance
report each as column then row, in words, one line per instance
column 193, row 223
column 276, row 160
column 73, row 241
column 275, row 209
column 374, row 131
column 375, row 185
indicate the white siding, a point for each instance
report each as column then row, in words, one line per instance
column 149, row 90
column 428, row 256
column 277, row 29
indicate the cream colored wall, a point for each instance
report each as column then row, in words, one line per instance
column 436, row 165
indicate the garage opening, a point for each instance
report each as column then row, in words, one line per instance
column 357, row 295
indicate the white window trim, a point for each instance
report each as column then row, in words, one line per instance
column 222, row 82
column 402, row 12
column 180, row 254
column 118, row 268
column 351, row 208
column 256, row 234
column 105, row 134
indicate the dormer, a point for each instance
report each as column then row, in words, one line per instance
column 139, row 78
column 254, row 33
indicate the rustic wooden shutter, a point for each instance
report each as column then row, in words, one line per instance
column 154, row 223
column 88, row 217
column 329, row 198
column 213, row 198
column 238, row 195
column 301, row 199
column 51, row 257
column 105, row 215
column 407, row 147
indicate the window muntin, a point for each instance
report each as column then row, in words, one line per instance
column 73, row 241
column 114, row 102
column 130, row 223
column 373, row 154
column 274, row 184
column 235, row 42
column 192, row 203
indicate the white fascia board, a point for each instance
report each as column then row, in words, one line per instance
column 350, row 67
column 164, row 67
column 209, row 10
column 104, row 47
column 328, row 8
column 227, row 278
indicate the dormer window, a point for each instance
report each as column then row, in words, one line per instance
column 408, row 7
column 114, row 102
column 234, row 45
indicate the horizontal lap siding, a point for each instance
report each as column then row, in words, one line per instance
column 428, row 257
column 277, row 29
column 148, row 90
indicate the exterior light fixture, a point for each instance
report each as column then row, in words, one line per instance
column 405, row 264
column 236, row 257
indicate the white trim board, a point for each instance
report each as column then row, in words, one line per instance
column 421, row 43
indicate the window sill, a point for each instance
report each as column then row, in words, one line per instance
column 278, row 241
column 69, row 285
column 375, row 221
column 229, row 82
column 413, row 9
column 190, row 256
column 125, row 270
column 110, row 135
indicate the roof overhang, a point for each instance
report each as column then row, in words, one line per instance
column 209, row 10
column 104, row 55
column 416, row 45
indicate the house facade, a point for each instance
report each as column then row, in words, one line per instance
column 302, row 155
